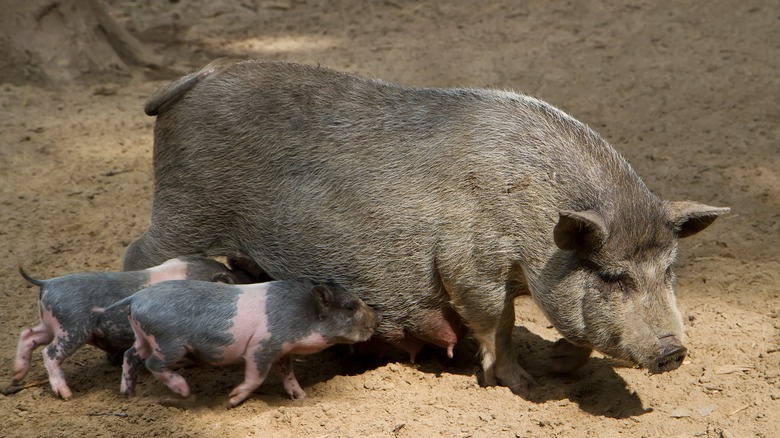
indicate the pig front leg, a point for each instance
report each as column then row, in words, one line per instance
column 284, row 367
column 257, row 367
column 566, row 357
column 29, row 340
column 492, row 323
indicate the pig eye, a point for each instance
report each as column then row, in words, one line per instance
column 351, row 305
column 608, row 277
column 614, row 280
column 669, row 274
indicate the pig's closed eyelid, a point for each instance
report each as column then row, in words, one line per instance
column 611, row 276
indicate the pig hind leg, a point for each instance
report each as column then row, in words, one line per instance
column 147, row 251
column 29, row 340
column 284, row 367
column 54, row 355
column 130, row 366
column 162, row 370
column 180, row 234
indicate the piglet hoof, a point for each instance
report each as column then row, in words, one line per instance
column 565, row 357
column 293, row 389
column 18, row 376
column 237, row 396
column 126, row 390
column 64, row 393
column 235, row 401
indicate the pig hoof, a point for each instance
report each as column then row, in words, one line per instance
column 234, row 401
column 521, row 388
column 565, row 357
column 64, row 394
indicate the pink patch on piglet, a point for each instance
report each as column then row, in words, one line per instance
column 174, row 269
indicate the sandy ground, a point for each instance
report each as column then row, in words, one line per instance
column 688, row 92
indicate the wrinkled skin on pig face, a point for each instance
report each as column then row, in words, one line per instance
column 620, row 296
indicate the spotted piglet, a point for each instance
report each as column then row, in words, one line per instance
column 259, row 324
column 72, row 311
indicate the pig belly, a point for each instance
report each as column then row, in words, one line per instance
column 310, row 344
column 249, row 329
column 440, row 327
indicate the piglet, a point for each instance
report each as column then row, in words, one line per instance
column 258, row 324
column 72, row 311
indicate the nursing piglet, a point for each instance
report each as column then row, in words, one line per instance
column 71, row 309
column 259, row 324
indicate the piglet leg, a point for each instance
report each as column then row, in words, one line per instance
column 53, row 356
column 284, row 367
column 28, row 341
column 255, row 373
column 173, row 380
column 161, row 369
column 130, row 365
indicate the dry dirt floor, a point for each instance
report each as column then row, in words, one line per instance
column 688, row 91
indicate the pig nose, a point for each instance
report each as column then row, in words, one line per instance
column 671, row 356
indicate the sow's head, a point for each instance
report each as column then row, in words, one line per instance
column 614, row 286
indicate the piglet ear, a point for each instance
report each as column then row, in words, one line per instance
column 688, row 218
column 579, row 230
column 324, row 300
column 222, row 277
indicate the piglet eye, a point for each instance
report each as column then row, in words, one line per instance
column 351, row 305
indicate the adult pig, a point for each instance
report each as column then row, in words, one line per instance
column 259, row 324
column 436, row 206
column 72, row 313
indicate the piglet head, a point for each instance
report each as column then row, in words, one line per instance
column 344, row 318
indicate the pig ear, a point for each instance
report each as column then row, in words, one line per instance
column 324, row 299
column 688, row 218
column 579, row 230
column 222, row 277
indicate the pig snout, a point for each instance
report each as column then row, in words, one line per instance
column 368, row 321
column 670, row 357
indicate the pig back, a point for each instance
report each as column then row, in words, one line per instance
column 380, row 187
